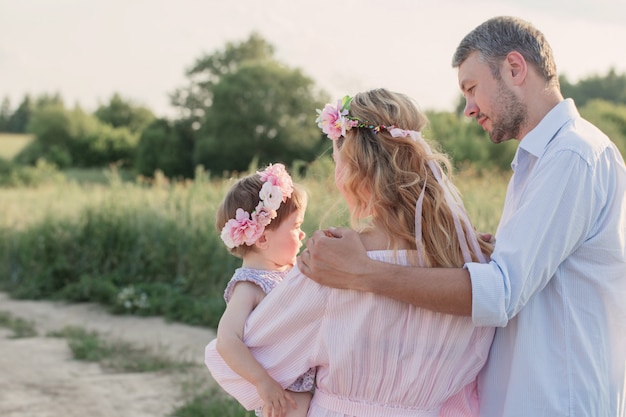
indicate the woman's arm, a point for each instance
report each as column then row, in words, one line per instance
column 340, row 261
column 245, row 297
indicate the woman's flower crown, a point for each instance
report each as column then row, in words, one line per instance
column 335, row 122
column 248, row 228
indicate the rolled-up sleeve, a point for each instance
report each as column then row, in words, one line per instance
column 488, row 295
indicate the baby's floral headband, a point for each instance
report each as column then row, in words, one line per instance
column 247, row 228
column 335, row 122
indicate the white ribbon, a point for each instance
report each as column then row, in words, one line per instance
column 452, row 199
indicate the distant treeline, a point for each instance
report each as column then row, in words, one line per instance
column 241, row 106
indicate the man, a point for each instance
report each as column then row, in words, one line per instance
column 556, row 284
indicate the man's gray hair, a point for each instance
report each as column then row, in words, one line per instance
column 497, row 37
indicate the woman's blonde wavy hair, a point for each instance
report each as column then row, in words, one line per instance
column 385, row 176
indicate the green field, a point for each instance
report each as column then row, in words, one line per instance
column 101, row 241
column 12, row 143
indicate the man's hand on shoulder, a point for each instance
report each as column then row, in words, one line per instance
column 334, row 257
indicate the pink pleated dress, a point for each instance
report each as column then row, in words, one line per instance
column 375, row 356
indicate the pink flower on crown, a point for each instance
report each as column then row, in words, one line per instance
column 263, row 215
column 242, row 229
column 334, row 121
column 276, row 175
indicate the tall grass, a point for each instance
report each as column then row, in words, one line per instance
column 483, row 196
column 151, row 248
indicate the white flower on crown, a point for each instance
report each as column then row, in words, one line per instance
column 271, row 195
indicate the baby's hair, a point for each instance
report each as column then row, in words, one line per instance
column 386, row 175
column 244, row 194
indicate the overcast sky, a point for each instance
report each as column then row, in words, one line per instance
column 86, row 50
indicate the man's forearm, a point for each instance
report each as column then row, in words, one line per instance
column 445, row 290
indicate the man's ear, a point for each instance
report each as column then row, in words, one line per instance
column 516, row 67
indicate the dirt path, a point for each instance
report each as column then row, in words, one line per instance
column 39, row 378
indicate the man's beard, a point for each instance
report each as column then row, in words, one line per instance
column 510, row 118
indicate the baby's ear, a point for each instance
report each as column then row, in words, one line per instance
column 262, row 242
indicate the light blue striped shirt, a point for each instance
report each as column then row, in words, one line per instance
column 556, row 286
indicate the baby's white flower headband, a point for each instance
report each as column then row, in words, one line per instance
column 247, row 228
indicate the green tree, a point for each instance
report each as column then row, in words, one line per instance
column 5, row 114
column 53, row 128
column 196, row 98
column 242, row 105
column 610, row 118
column 75, row 138
column 104, row 145
column 123, row 113
column 18, row 122
column 263, row 112
column 45, row 100
column 611, row 87
column 165, row 146
column 466, row 142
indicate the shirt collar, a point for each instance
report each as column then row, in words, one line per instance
column 537, row 139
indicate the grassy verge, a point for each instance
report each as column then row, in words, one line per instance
column 200, row 399
column 116, row 355
column 211, row 403
column 120, row 356
column 19, row 326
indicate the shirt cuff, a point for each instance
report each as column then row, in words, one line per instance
column 488, row 295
